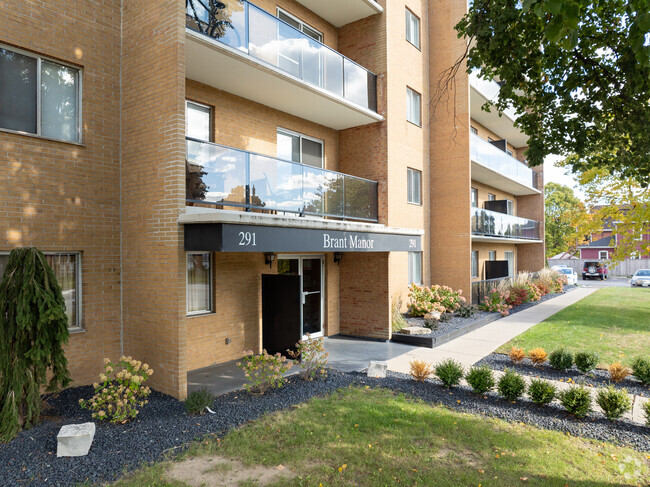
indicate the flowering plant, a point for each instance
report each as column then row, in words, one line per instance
column 121, row 391
column 263, row 371
column 496, row 300
column 313, row 358
column 442, row 299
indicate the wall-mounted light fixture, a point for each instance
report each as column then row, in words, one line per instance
column 269, row 258
column 338, row 257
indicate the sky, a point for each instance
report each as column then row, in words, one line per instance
column 557, row 175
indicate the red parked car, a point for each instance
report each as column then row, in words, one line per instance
column 594, row 269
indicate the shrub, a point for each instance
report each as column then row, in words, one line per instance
column 541, row 392
column 480, row 379
column 613, row 401
column 547, row 277
column 646, row 410
column 516, row 354
column 561, row 359
column 467, row 310
column 435, row 298
column 641, row 370
column 576, row 400
column 518, row 295
column 263, row 371
column 397, row 319
column 495, row 300
column 313, row 358
column 445, row 317
column 511, row 385
column 421, row 370
column 586, row 361
column 197, row 401
column 33, row 330
column 450, row 372
column 432, row 324
column 121, row 391
column 618, row 372
column 537, row 356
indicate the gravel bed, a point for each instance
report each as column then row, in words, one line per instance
column 597, row 378
column 444, row 327
column 163, row 425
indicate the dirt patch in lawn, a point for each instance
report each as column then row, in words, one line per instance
column 215, row 471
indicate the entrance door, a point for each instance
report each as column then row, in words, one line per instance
column 310, row 269
column 281, row 312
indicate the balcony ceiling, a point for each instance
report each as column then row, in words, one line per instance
column 342, row 12
column 496, row 180
column 507, row 240
column 214, row 64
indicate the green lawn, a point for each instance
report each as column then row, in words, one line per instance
column 369, row 437
column 615, row 322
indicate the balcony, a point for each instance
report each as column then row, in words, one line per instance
column 488, row 226
column 492, row 166
column 248, row 52
column 342, row 12
column 227, row 177
column 482, row 91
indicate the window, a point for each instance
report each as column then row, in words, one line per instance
column 603, row 254
column 491, row 197
column 300, row 148
column 413, row 107
column 474, row 198
column 299, row 24
column 510, row 207
column 199, row 283
column 40, row 97
column 475, row 263
column 473, row 130
column 67, row 269
column 415, row 267
column 492, row 255
column 414, row 186
column 509, row 152
column 510, row 257
column 412, row 28
column 198, row 121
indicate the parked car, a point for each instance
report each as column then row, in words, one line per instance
column 594, row 269
column 641, row 278
column 558, row 267
column 571, row 277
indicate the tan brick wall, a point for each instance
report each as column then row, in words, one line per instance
column 531, row 257
column 63, row 197
column 484, row 190
column 153, row 189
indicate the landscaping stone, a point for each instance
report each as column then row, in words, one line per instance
column 415, row 330
column 74, row 440
column 377, row 369
column 432, row 315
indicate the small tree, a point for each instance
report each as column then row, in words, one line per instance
column 33, row 329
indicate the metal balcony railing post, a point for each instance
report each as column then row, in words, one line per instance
column 248, row 182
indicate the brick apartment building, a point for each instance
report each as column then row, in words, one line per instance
column 203, row 187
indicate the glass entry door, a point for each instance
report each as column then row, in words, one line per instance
column 310, row 269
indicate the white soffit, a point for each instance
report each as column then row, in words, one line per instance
column 215, row 64
column 496, row 180
column 342, row 12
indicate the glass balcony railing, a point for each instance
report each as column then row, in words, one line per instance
column 223, row 176
column 495, row 224
column 484, row 153
column 251, row 30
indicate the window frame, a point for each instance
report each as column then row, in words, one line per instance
column 409, row 186
column 474, row 263
column 300, row 137
column 78, row 326
column 491, row 197
column 473, row 130
column 510, row 206
column 505, row 256
column 600, row 254
column 409, row 12
column 410, row 91
column 492, row 255
column 473, row 197
column 39, row 58
column 302, row 24
column 211, row 117
column 211, row 310
column 411, row 267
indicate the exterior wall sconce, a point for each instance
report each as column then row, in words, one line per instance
column 269, row 258
column 338, row 257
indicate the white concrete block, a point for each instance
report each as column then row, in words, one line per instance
column 74, row 440
column 377, row 368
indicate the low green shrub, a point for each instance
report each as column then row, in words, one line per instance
column 312, row 357
column 586, row 361
column 450, row 372
column 576, row 400
column 613, row 401
column 432, row 324
column 445, row 317
column 561, row 359
column 646, row 410
column 481, row 379
column 511, row 385
column 541, row 392
column 466, row 310
column 641, row 370
column 197, row 401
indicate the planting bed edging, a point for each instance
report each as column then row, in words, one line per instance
column 163, row 426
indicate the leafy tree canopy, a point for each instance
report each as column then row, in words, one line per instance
column 563, row 209
column 576, row 71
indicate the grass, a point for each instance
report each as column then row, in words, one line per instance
column 615, row 322
column 371, row 437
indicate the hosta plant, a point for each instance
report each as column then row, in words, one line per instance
column 120, row 392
